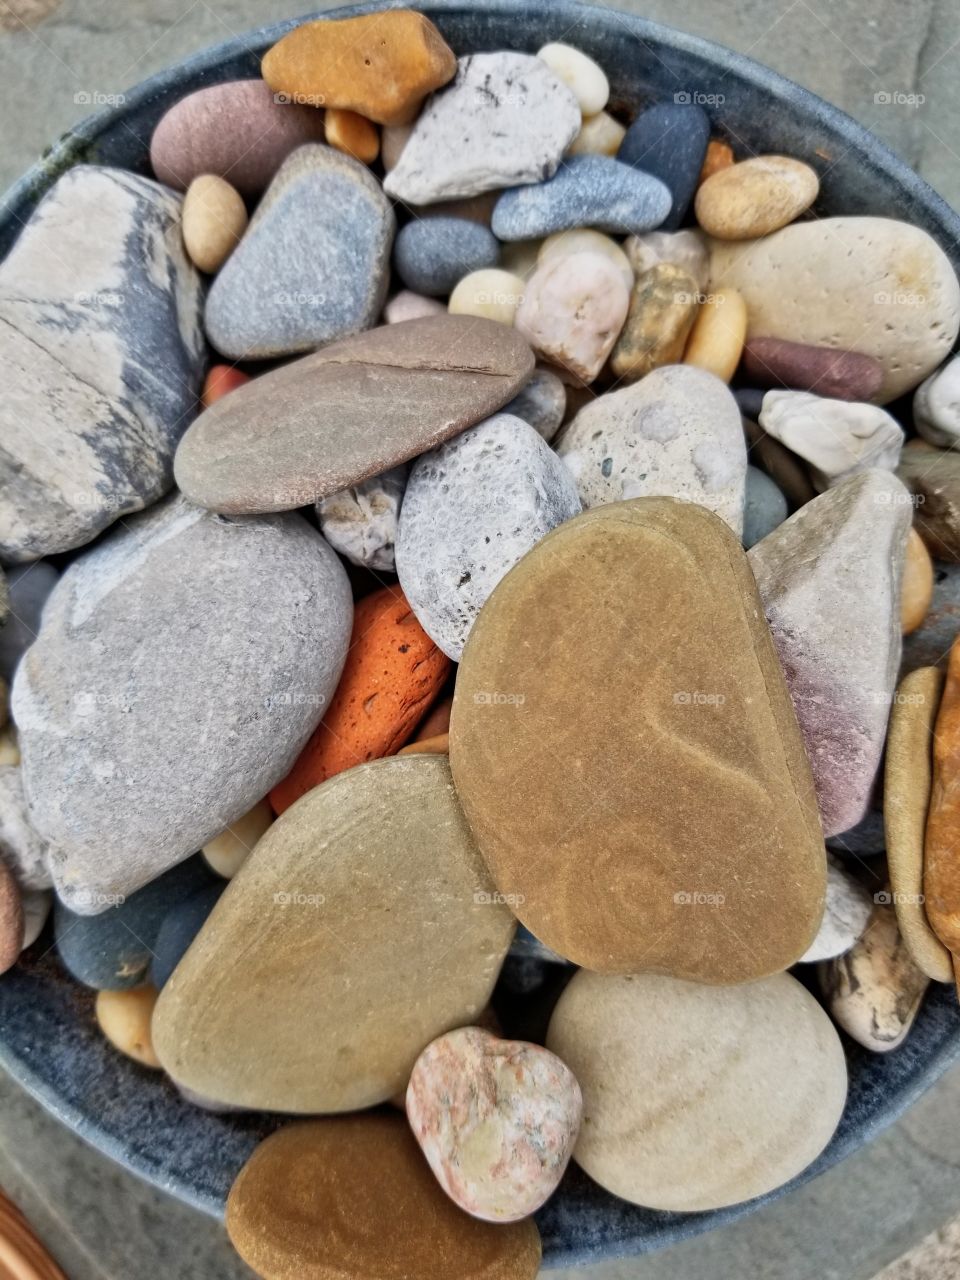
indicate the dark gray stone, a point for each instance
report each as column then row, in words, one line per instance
column 432, row 254
column 178, row 929
column 669, row 141
column 29, row 585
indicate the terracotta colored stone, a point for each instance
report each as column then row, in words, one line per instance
column 352, row 133
column 906, row 797
column 933, row 477
column 352, row 410
column 663, row 307
column 11, row 918
column 237, row 130
column 221, row 379
column 916, row 591
column 381, row 65
column 719, row 156
column 438, row 745
column 393, row 672
column 124, row 1018
column 838, row 375
column 941, row 859
column 719, row 877
column 755, row 197
column 350, row 1198
column 716, row 339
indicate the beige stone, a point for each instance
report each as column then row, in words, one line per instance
column 573, row 308
column 227, row 852
column 124, row 1018
column 755, row 197
column 916, row 590
column 214, row 218
column 599, row 135
column 586, row 240
column 491, row 293
column 718, row 333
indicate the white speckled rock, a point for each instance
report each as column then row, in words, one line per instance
column 936, row 406
column 506, row 119
column 874, row 991
column 873, row 285
column 407, row 305
column 685, row 249
column 361, row 522
column 684, row 1098
column 102, row 355
column 180, row 668
column 675, row 433
column 573, row 310
column 472, row 509
column 20, row 847
column 829, row 578
column 845, row 914
column 496, row 1119
column 837, row 437
column 542, row 403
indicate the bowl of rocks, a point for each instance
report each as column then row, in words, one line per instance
column 479, row 782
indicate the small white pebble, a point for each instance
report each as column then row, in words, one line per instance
column 580, row 74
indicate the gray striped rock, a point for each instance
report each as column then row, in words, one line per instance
column 180, row 668
column 102, row 355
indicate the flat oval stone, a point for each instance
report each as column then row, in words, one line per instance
column 491, row 294
column 933, row 478
column 236, row 130
column 432, row 254
column 755, row 197
column 21, row 848
column 586, row 191
column 373, row 881
column 916, row 590
column 542, row 403
column 936, row 406
column 586, row 240
column 685, row 249
column 178, row 928
column 353, row 410
column 675, row 433
column 313, row 265
column 837, row 375
column 506, row 119
column 663, row 307
column 669, row 140
column 765, row 507
column 472, row 509
column 572, row 310
column 846, row 914
column 838, row 438
column 496, row 1119
column 351, row 1197
column 718, row 1126
column 681, row 878
column 873, row 285
column 11, row 919
column 118, row 779
column 361, row 522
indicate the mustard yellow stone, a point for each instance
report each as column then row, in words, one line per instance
column 718, row 334
column 663, row 307
column 916, row 591
column 755, row 197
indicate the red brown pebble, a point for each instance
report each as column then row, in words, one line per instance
column 11, row 919
column 836, row 375
column 221, row 379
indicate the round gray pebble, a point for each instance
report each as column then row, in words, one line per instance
column 542, row 402
column 765, row 507
column 432, row 254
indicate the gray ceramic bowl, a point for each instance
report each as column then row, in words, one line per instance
column 48, row 1040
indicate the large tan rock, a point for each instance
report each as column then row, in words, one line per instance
column 695, row 1098
column 941, row 865
column 635, row 778
column 362, row 926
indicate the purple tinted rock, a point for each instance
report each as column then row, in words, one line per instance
column 837, row 375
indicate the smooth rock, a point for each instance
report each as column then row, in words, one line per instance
column 436, row 721
column 432, row 254
column 755, row 197
column 669, row 140
column 907, row 785
column 348, row 412
column 941, row 871
column 411, row 306
column 491, row 294
column 402, row 924
column 472, row 509
column 829, row 579
column 221, row 379
column 675, row 433
column 381, row 65
column 933, row 478
column 846, row 913
column 102, row 353
column 784, row 467
column 684, row 1104
column 542, row 403
column 227, row 852
column 837, row 375
column 353, row 134
column 506, row 119
column 178, row 929
column 238, row 130
column 873, row 285
column 393, row 673
column 765, row 507
column 865, row 839
column 838, row 438
column 916, row 590
column 586, row 191
column 438, row 745
column 663, row 307
column 214, row 219
column 314, row 264
column 351, row 1197
column 9, row 751
column 718, row 333
column 930, row 645
column 29, row 587
column 124, row 1018
column 936, row 406
column 586, row 240
column 37, row 904
column 11, row 919
column 719, row 156
column 873, row 992
column 572, row 311
column 684, row 249
column 599, row 135
column 496, row 1119
column 180, row 668
column 361, row 522
column 586, row 80
column 719, row 877
column 21, row 848
column 393, row 138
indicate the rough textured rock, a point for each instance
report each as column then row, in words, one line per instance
column 765, row 507
column 11, row 919
column 684, row 1104
column 941, row 869
column 496, row 1120
column 505, row 120
column 838, row 375
column 669, row 140
column 29, row 585
column 432, row 254
column 720, row 877
column 846, row 913
column 102, row 352
column 572, row 310
column 20, row 847
column 663, row 307
column 361, row 522
column 685, row 249
column 145, row 727
column 402, row 924
column 314, row 264
column 837, row 438
column 755, row 197
column 542, row 403
column 936, row 406
column 348, row 412
column 353, row 1197
column 675, row 433
column 829, row 579
column 472, row 509
column 933, row 477
column 873, row 285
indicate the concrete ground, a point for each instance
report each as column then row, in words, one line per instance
column 896, row 1205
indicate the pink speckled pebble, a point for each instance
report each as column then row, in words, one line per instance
column 496, row 1119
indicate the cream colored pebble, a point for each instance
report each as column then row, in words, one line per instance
column 585, row 240
column 214, row 219
column 124, row 1018
column 718, row 334
column 521, row 257
column 9, row 750
column 407, row 305
column 755, row 197
column 599, row 135
column 227, row 852
column 491, row 293
column 580, row 74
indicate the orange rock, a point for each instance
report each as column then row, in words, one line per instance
column 437, row 720
column 916, row 591
column 382, row 64
column 941, row 848
column 393, row 673
column 354, row 134
column 719, row 156
column 438, row 746
column 221, row 379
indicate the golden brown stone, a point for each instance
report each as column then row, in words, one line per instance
column 663, row 307
column 941, row 853
column 719, row 156
column 438, row 745
column 354, row 134
column 716, row 339
column 916, row 589
column 755, row 197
